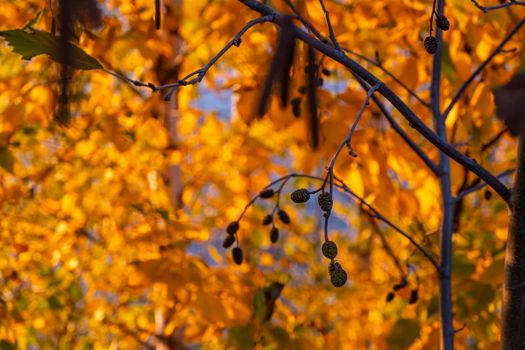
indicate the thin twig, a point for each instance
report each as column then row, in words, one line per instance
column 380, row 216
column 348, row 138
column 481, row 185
column 200, row 73
column 393, row 98
column 386, row 246
column 330, row 28
column 303, row 20
column 390, row 74
column 496, row 51
column 495, row 139
column 340, row 184
column 496, row 7
column 424, row 157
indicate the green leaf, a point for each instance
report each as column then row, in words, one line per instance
column 280, row 336
column 5, row 345
column 241, row 337
column 259, row 307
column 33, row 21
column 402, row 334
column 462, row 266
column 29, row 43
column 448, row 68
column 6, row 159
column 433, row 308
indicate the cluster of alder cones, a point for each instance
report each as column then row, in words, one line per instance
column 430, row 42
column 338, row 275
column 233, row 227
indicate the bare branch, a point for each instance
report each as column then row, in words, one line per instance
column 447, row 201
column 387, row 72
column 330, row 28
column 413, row 119
column 424, row 157
column 340, row 184
column 480, row 186
column 495, row 139
column 200, row 73
column 496, row 7
column 303, row 20
column 348, row 138
column 380, row 216
column 496, row 51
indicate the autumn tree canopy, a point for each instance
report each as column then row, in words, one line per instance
column 244, row 174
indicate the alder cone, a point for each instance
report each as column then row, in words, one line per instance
column 300, row 195
column 283, row 216
column 442, row 23
column 333, row 266
column 338, row 277
column 390, row 296
column 414, row 296
column 325, row 201
column 400, row 285
column 267, row 193
column 296, row 107
column 274, row 235
column 329, row 249
column 228, row 241
column 232, row 228
column 267, row 219
column 237, row 255
column 431, row 44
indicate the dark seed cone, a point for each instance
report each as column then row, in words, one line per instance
column 267, row 219
column 296, row 107
column 327, row 72
column 329, row 249
column 414, row 296
column 400, row 285
column 390, row 296
column 228, row 241
column 333, row 266
column 283, row 216
column 232, row 228
column 274, row 235
column 338, row 277
column 267, row 193
column 325, row 201
column 302, row 90
column 237, row 255
column 442, row 23
column 431, row 44
column 300, row 195
column 488, row 195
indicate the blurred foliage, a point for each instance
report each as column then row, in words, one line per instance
column 95, row 256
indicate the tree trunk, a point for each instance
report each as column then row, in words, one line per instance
column 513, row 323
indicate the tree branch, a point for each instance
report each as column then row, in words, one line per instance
column 391, row 75
column 480, row 186
column 496, row 7
column 303, row 20
column 424, row 157
column 343, row 187
column 330, row 28
column 466, row 84
column 417, row 123
column 380, row 216
column 200, row 73
column 447, row 201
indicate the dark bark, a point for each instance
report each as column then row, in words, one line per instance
column 513, row 323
